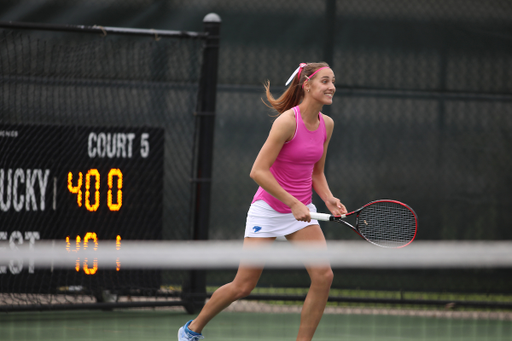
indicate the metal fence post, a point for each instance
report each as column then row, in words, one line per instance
column 194, row 290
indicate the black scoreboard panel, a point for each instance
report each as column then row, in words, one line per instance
column 81, row 185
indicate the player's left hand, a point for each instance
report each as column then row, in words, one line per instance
column 335, row 206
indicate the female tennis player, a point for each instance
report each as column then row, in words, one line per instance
column 289, row 165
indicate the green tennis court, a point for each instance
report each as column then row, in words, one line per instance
column 163, row 325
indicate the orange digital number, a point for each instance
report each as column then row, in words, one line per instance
column 118, row 247
column 77, row 248
column 92, row 173
column 88, row 238
column 94, row 237
column 76, row 189
column 92, row 204
column 115, row 172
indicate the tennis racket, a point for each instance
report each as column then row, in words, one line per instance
column 385, row 223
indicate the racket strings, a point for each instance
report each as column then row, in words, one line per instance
column 387, row 224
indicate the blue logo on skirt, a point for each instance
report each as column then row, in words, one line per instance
column 256, row 229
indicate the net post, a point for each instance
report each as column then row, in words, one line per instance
column 194, row 289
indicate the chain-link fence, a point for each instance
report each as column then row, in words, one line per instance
column 422, row 109
column 97, row 140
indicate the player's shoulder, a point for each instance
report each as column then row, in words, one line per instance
column 284, row 125
column 286, row 119
column 288, row 115
column 329, row 122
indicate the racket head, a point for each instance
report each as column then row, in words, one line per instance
column 387, row 223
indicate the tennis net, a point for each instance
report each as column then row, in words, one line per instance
column 372, row 297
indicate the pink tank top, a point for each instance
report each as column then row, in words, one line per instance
column 293, row 167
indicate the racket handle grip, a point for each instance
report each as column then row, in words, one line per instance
column 321, row 216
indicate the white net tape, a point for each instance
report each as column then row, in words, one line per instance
column 228, row 254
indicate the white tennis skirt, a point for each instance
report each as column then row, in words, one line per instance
column 263, row 221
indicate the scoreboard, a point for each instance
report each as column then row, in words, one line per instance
column 80, row 185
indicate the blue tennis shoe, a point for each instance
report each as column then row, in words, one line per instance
column 185, row 334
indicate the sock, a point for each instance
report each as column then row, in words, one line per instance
column 190, row 331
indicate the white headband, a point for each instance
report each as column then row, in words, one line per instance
column 298, row 70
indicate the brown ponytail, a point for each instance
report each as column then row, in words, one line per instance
column 295, row 93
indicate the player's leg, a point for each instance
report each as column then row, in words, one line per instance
column 245, row 281
column 321, row 279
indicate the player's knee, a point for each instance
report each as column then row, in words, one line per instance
column 243, row 290
column 328, row 276
column 323, row 277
